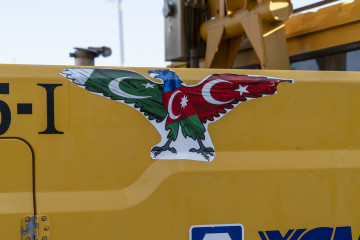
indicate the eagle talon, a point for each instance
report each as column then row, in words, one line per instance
column 206, row 152
column 157, row 150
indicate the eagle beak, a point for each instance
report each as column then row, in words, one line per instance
column 153, row 74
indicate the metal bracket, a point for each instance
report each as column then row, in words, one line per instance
column 35, row 228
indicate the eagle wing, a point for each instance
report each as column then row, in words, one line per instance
column 122, row 86
column 219, row 93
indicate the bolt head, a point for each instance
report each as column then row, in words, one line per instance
column 44, row 238
column 25, row 229
column 46, row 228
column 168, row 10
column 27, row 219
column 43, row 218
column 28, row 238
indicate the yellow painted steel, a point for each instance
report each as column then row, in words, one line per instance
column 16, row 186
column 328, row 27
column 263, row 24
column 282, row 162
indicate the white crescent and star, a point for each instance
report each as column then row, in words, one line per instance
column 242, row 89
column 184, row 101
column 183, row 104
column 171, row 114
column 206, row 93
column 114, row 88
column 148, row 85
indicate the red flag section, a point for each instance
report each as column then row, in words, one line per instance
column 221, row 91
column 215, row 95
column 178, row 104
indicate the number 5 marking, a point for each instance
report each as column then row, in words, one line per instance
column 5, row 117
column 4, row 110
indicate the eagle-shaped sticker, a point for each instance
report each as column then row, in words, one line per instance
column 180, row 113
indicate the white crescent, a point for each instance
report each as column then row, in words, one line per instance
column 207, row 89
column 114, row 88
column 171, row 114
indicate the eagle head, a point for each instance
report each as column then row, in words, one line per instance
column 165, row 75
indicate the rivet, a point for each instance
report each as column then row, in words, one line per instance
column 27, row 219
column 46, row 228
column 43, row 218
column 25, row 229
column 44, row 238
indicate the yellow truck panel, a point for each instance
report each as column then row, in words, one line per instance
column 283, row 162
column 16, row 188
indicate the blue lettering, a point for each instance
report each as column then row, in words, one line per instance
column 276, row 235
column 343, row 233
column 263, row 236
column 321, row 233
column 297, row 234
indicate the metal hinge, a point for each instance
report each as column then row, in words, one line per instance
column 35, row 228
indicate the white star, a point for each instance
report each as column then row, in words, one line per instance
column 184, row 101
column 148, row 85
column 242, row 89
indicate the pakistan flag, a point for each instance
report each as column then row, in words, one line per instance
column 128, row 86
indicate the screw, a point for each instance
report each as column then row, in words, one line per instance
column 27, row 219
column 44, row 238
column 25, row 229
column 46, row 228
column 43, row 218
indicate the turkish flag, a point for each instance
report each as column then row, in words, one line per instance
column 220, row 92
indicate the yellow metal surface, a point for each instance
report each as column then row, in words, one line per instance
column 16, row 198
column 213, row 8
column 329, row 17
column 261, row 21
column 328, row 27
column 287, row 161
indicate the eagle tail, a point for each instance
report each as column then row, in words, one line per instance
column 77, row 75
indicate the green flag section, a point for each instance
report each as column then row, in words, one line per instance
column 130, row 87
column 192, row 127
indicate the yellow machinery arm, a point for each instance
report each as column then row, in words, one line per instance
column 261, row 21
column 263, row 34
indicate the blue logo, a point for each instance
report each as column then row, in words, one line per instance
column 321, row 233
column 217, row 232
